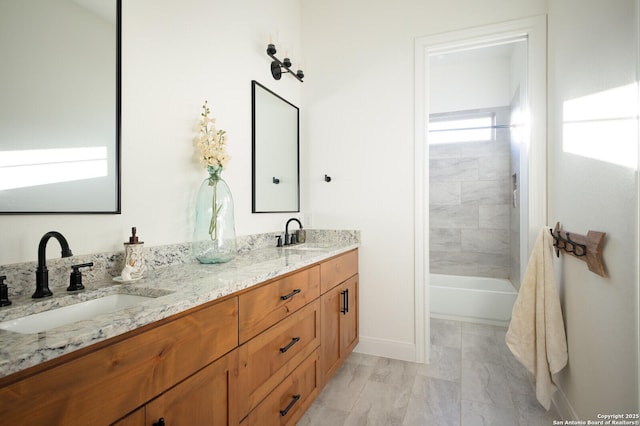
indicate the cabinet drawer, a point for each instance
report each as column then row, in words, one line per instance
column 266, row 305
column 271, row 356
column 336, row 270
column 124, row 375
column 288, row 402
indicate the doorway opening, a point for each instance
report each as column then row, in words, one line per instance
column 480, row 165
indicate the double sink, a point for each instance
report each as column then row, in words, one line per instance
column 98, row 303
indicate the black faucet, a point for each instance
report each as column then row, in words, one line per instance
column 42, row 273
column 287, row 237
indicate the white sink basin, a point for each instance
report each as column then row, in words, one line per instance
column 305, row 248
column 53, row 318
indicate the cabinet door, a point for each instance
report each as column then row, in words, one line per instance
column 208, row 397
column 349, row 316
column 123, row 375
column 339, row 331
column 330, row 332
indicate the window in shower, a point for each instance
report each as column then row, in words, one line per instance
column 461, row 127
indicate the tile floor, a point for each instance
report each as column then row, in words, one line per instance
column 472, row 380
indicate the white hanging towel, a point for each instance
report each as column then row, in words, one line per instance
column 536, row 335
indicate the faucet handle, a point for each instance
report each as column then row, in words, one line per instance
column 4, row 292
column 278, row 241
column 75, row 280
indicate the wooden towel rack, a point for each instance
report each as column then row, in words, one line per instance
column 586, row 248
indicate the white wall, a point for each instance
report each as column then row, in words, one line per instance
column 359, row 99
column 175, row 56
column 470, row 82
column 592, row 49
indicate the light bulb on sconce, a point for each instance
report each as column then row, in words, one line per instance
column 277, row 65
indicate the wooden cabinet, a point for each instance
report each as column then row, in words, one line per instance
column 100, row 386
column 208, row 398
column 339, row 335
column 339, row 311
column 276, row 387
column 279, row 329
column 256, row 358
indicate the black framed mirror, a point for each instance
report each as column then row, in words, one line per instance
column 60, row 106
column 275, row 152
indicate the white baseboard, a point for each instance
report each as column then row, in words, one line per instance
column 386, row 348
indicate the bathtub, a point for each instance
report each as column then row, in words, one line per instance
column 472, row 299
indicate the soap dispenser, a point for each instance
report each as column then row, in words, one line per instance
column 134, row 265
column 301, row 235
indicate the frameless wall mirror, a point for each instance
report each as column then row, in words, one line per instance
column 60, row 106
column 276, row 134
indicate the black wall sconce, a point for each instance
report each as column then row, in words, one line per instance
column 277, row 65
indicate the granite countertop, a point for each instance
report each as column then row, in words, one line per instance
column 173, row 289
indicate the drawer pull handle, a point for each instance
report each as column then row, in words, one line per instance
column 290, row 295
column 346, row 299
column 291, row 404
column 345, row 302
column 291, row 343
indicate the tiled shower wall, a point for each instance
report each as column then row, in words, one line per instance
column 469, row 206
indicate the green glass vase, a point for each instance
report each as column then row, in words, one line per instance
column 214, row 236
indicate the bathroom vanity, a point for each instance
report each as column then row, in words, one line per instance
column 241, row 350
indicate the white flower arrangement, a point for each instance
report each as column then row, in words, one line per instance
column 211, row 142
